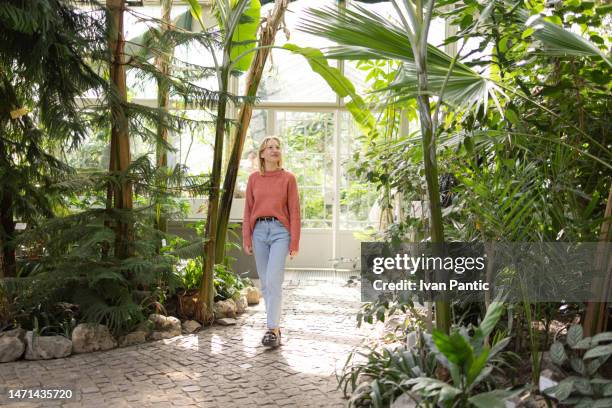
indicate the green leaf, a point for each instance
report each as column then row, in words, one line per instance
column 602, row 403
column 511, row 116
column 196, row 11
column 557, row 353
column 490, row 320
column 599, row 351
column 584, row 344
column 475, row 368
column 448, row 393
column 503, row 44
column 598, row 338
column 583, row 386
column 499, row 346
column 454, row 347
column 527, row 32
column 584, row 402
column 245, row 37
column 578, row 365
column 492, row 399
column 341, row 85
column 562, row 390
column 593, row 365
column 554, row 19
column 558, row 41
column 574, row 335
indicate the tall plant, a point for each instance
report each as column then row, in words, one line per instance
column 362, row 34
column 163, row 103
column 119, row 195
column 231, row 14
column 44, row 45
column 266, row 39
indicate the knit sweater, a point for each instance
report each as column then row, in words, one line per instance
column 273, row 194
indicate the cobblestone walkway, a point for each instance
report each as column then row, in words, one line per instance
column 218, row 367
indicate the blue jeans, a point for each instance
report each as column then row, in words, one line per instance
column 271, row 247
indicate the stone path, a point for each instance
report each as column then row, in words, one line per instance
column 222, row 366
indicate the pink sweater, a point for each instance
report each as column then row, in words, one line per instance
column 274, row 194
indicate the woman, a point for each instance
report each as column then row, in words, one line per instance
column 271, row 229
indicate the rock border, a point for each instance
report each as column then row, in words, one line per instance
column 17, row 344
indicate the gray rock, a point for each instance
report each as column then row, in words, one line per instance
column 46, row 347
column 136, row 337
column 546, row 380
column 360, row 397
column 363, row 378
column 403, row 401
column 556, row 373
column 252, row 294
column 12, row 345
column 91, row 337
column 224, row 308
column 242, row 304
column 226, row 321
column 164, row 327
column 165, row 323
column 191, row 326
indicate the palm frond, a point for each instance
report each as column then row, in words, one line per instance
column 363, row 34
column 557, row 41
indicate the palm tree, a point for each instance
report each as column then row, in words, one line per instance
column 120, row 156
column 361, row 34
column 163, row 99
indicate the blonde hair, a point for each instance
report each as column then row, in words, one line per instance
column 262, row 147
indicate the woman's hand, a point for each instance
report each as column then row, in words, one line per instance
column 248, row 250
column 293, row 254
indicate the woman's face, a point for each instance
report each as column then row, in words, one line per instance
column 272, row 152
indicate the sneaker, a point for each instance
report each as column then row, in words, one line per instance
column 270, row 339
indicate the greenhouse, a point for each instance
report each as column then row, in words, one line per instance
column 292, row 203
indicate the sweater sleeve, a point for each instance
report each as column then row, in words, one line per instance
column 293, row 205
column 246, row 219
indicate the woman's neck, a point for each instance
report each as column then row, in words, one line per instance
column 271, row 166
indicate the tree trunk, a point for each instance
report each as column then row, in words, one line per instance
column 207, row 288
column 7, row 232
column 8, row 259
column 267, row 36
column 428, row 137
column 120, row 142
column 163, row 99
column 596, row 314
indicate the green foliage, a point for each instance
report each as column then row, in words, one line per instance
column 245, row 37
column 228, row 284
column 583, row 358
column 339, row 84
column 191, row 275
column 470, row 362
column 465, row 353
column 78, row 267
column 388, row 369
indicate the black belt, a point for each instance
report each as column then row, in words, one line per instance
column 267, row 219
